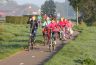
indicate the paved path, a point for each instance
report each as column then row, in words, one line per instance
column 35, row 57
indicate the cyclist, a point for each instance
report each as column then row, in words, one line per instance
column 56, row 29
column 45, row 28
column 44, row 25
column 62, row 24
column 52, row 29
column 69, row 26
column 33, row 26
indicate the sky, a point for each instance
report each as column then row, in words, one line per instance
column 36, row 2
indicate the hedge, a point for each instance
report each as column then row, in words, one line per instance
column 17, row 19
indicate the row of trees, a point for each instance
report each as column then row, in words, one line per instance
column 87, row 9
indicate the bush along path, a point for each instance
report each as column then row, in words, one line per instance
column 38, row 56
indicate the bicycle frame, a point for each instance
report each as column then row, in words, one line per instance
column 31, row 41
column 52, row 43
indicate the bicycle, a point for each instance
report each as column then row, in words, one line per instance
column 31, row 41
column 45, row 36
column 62, row 34
column 52, row 42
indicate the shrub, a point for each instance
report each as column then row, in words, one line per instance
column 94, row 24
column 80, row 27
column 83, row 24
column 17, row 19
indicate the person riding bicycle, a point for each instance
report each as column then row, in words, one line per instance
column 52, row 29
column 57, row 28
column 44, row 25
column 33, row 29
column 62, row 24
column 33, row 26
column 69, row 26
column 45, row 28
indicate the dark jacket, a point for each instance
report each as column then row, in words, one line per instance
column 33, row 24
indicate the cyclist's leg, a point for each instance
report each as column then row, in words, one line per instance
column 34, row 33
column 70, row 32
column 43, row 33
column 64, row 34
column 48, row 36
column 30, row 43
column 54, row 37
column 60, row 35
column 45, row 38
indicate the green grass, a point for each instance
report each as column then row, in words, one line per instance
column 14, row 37
column 81, row 51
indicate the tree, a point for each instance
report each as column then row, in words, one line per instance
column 48, row 8
column 87, row 9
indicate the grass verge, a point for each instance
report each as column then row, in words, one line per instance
column 14, row 37
column 81, row 51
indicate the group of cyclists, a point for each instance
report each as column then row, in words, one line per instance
column 51, row 28
column 62, row 26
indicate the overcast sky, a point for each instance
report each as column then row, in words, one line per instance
column 36, row 2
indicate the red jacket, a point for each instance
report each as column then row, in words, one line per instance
column 52, row 25
column 69, row 24
column 62, row 23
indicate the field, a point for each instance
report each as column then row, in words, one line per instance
column 14, row 37
column 81, row 51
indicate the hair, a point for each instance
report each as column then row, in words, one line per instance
column 53, row 19
column 61, row 18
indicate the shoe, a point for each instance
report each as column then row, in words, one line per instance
column 55, row 42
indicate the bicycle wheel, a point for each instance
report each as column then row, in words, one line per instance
column 61, row 35
column 50, row 45
column 53, row 45
column 31, row 43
